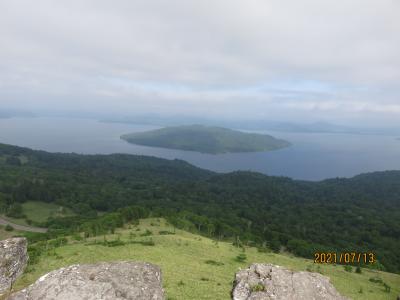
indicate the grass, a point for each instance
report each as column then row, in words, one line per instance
column 15, row 221
column 4, row 234
column 40, row 211
column 196, row 267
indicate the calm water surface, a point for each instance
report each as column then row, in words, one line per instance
column 312, row 156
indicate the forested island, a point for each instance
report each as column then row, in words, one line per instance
column 104, row 191
column 206, row 139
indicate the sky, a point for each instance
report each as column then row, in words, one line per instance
column 288, row 60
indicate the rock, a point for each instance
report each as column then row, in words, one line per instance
column 102, row 281
column 13, row 260
column 266, row 281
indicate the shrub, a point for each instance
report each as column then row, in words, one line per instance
column 348, row 268
column 376, row 279
column 263, row 250
column 114, row 243
column 15, row 211
column 58, row 242
column 358, row 270
column 9, row 227
column 165, row 232
column 213, row 262
column 148, row 243
column 77, row 237
column 146, row 233
column 387, row 287
column 181, row 283
column 241, row 257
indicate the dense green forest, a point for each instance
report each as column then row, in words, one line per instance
column 104, row 191
column 206, row 139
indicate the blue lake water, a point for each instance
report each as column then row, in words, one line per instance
column 313, row 156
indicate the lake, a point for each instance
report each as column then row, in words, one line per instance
column 313, row 156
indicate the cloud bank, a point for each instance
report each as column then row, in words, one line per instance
column 269, row 59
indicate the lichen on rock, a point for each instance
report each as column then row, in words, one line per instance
column 267, row 281
column 101, row 281
column 13, row 260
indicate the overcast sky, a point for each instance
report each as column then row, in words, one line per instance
column 334, row 60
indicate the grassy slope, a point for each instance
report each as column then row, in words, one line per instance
column 206, row 139
column 186, row 275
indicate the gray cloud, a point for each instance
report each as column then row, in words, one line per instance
column 257, row 58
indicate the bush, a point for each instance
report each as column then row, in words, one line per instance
column 15, row 211
column 241, row 257
column 9, row 227
column 77, row 237
column 263, row 250
column 348, row 268
column 181, row 283
column 114, row 243
column 146, row 233
column 165, row 232
column 148, row 243
column 358, row 270
column 376, row 279
column 13, row 160
column 58, row 242
column 213, row 263
column 387, row 287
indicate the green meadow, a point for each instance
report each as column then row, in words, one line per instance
column 40, row 211
column 195, row 267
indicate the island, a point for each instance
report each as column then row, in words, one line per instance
column 206, row 139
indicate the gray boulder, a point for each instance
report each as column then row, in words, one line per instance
column 13, row 260
column 102, row 281
column 266, row 281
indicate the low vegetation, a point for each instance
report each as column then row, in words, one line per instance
column 6, row 233
column 193, row 267
column 105, row 191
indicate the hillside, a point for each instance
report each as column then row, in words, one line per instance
column 206, row 139
column 195, row 267
column 358, row 214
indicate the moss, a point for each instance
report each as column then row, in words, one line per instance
column 257, row 288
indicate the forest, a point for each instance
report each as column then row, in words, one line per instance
column 104, row 191
column 206, row 139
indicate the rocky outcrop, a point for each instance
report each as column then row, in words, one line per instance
column 102, row 281
column 266, row 281
column 13, row 260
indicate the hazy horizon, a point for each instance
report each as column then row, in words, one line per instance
column 287, row 61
